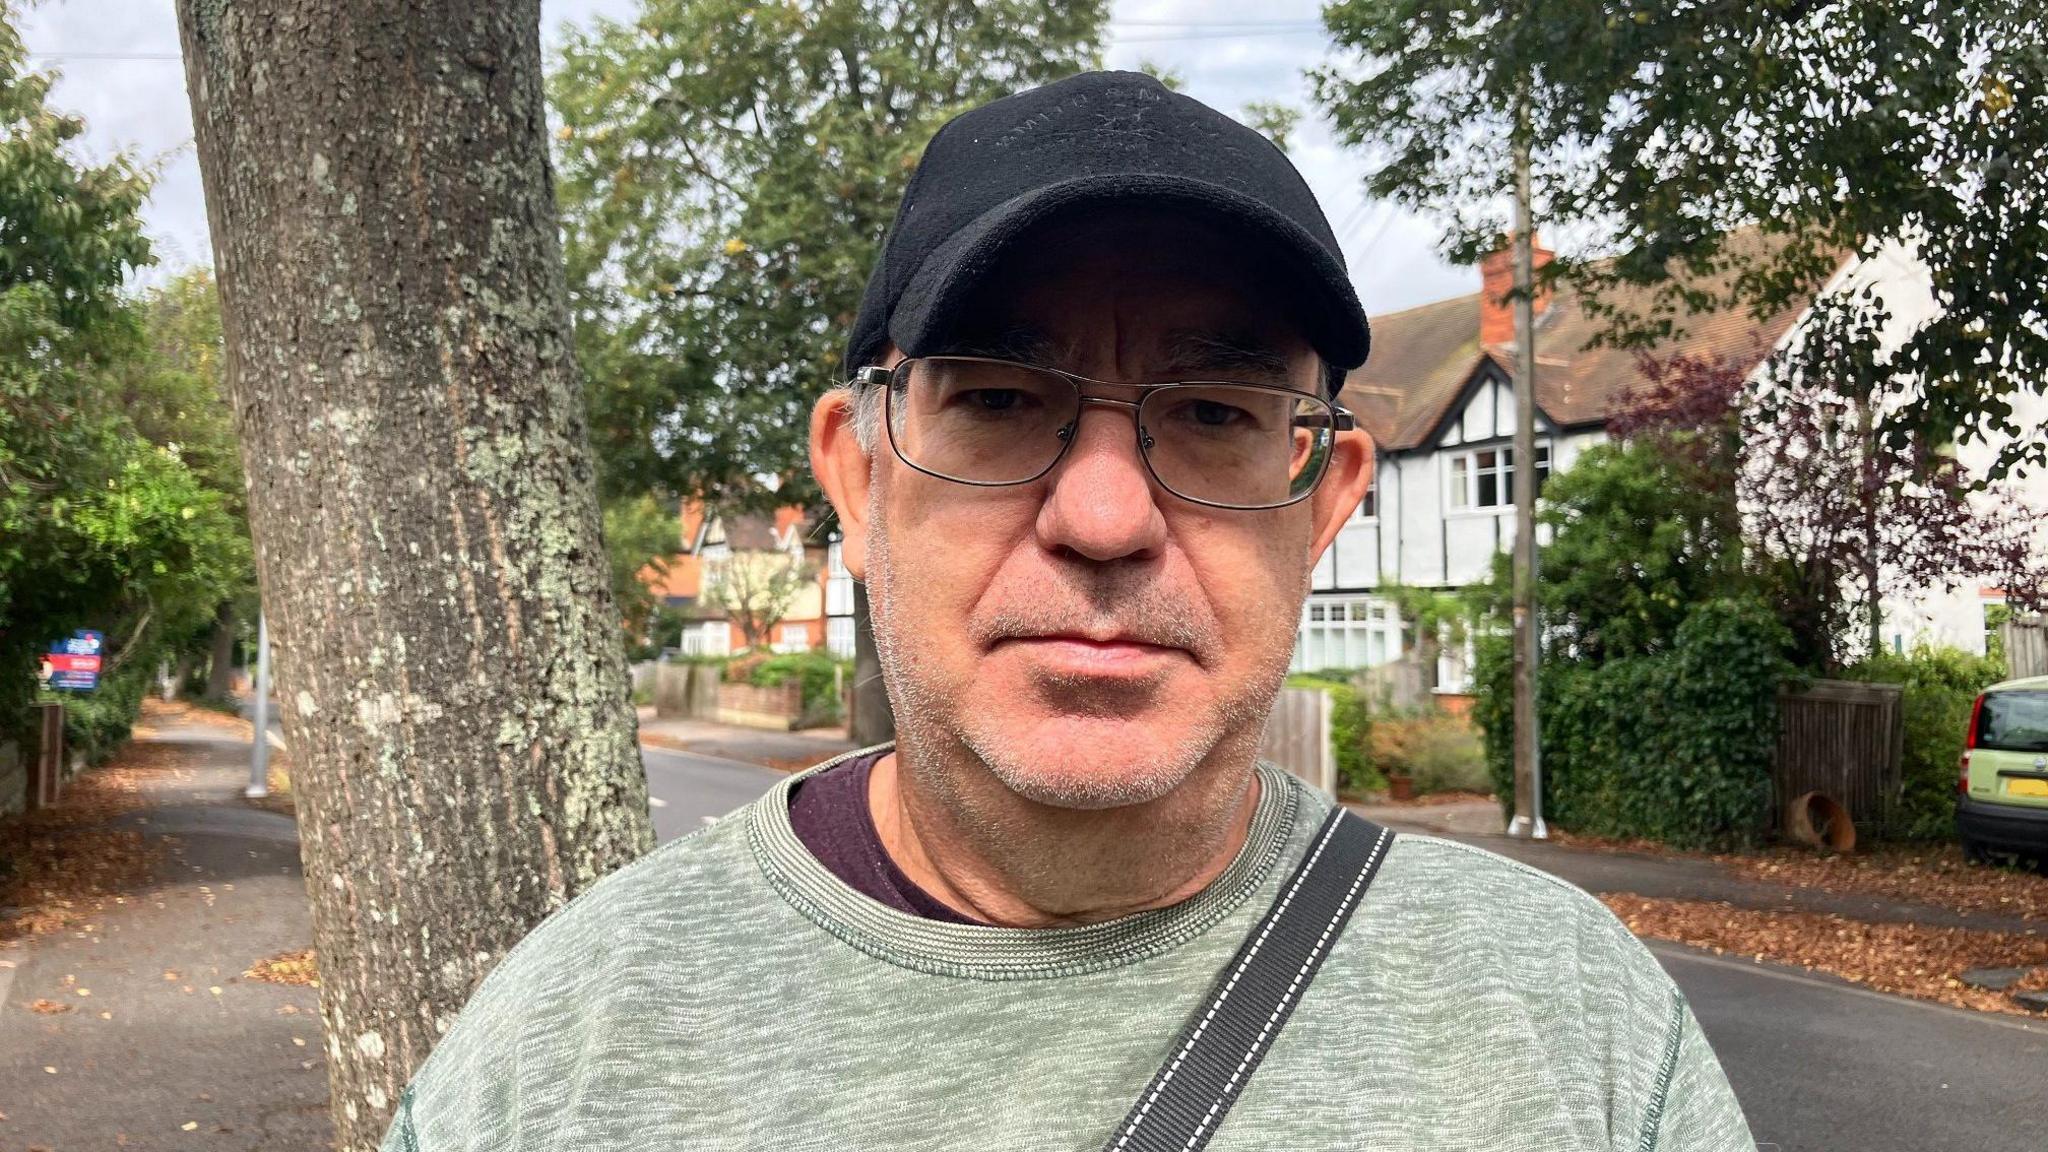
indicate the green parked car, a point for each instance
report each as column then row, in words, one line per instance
column 2002, row 801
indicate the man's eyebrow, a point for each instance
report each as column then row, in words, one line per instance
column 1233, row 355
column 1023, row 345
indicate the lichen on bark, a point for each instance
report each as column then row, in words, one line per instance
column 421, row 493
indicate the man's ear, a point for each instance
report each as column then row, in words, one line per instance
column 844, row 472
column 1343, row 486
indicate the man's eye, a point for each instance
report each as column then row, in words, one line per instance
column 994, row 399
column 1214, row 414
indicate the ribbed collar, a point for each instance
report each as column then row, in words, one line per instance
column 984, row 952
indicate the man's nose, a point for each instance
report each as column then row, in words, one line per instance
column 1100, row 502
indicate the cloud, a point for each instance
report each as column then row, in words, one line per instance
column 138, row 106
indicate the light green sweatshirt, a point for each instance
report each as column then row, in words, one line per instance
column 728, row 992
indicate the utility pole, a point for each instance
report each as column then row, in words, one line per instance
column 259, row 755
column 1528, row 819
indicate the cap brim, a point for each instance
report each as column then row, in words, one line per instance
column 931, row 303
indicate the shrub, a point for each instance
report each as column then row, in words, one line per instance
column 1674, row 746
column 1350, row 729
column 1439, row 751
column 97, row 723
column 819, row 671
column 1940, row 686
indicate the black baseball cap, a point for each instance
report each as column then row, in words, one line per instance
column 1095, row 140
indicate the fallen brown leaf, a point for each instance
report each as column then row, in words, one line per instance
column 68, row 864
column 298, row 967
column 49, row 1007
column 1906, row 959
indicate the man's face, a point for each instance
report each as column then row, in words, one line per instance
column 1089, row 636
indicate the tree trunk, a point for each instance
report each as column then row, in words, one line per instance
column 449, row 657
column 872, row 722
column 220, row 673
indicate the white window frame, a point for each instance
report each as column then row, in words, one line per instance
column 1463, row 470
column 1347, row 632
column 1371, row 500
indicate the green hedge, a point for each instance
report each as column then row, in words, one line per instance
column 816, row 670
column 1940, row 686
column 1674, row 747
column 1350, row 729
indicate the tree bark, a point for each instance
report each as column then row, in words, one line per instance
column 1528, row 748
column 220, row 671
column 872, row 721
column 449, row 658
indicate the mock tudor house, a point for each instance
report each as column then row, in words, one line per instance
column 1437, row 396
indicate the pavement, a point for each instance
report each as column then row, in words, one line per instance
column 164, row 1030
column 1668, row 877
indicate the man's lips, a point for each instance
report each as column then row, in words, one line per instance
column 1076, row 652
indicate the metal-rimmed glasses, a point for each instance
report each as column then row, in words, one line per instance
column 995, row 423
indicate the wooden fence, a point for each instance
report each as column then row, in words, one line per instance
column 1844, row 739
column 2026, row 646
column 1297, row 737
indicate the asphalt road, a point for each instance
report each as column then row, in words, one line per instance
column 1822, row 1066
column 689, row 790
column 1819, row 1065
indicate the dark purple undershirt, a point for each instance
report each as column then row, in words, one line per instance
column 830, row 814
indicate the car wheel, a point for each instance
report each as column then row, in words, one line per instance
column 1974, row 853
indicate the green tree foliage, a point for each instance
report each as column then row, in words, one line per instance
column 1435, row 92
column 1674, row 746
column 173, row 396
column 1638, row 543
column 1662, row 657
column 119, row 498
column 639, row 532
column 1842, row 128
column 1683, row 132
column 1274, row 120
column 727, row 170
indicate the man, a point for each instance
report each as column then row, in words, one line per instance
column 1086, row 465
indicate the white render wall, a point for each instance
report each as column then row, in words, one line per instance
column 1950, row 616
column 1416, row 538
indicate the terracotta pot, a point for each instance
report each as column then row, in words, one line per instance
column 1401, row 787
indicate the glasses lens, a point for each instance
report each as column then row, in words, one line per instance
column 1236, row 444
column 981, row 421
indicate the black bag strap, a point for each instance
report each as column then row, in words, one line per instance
column 1216, row 1054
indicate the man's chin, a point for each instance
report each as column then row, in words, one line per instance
column 1090, row 762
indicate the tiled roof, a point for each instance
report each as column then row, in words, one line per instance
column 682, row 579
column 1422, row 358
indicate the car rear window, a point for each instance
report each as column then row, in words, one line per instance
column 2014, row 722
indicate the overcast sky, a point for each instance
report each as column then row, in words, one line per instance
column 1225, row 57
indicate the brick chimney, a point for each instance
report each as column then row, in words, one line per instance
column 1497, row 279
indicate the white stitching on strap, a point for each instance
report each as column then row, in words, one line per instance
column 1146, row 1108
column 1292, row 988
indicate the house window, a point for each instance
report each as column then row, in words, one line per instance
column 792, row 638
column 839, row 636
column 1353, row 633
column 1484, row 478
column 1369, row 504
